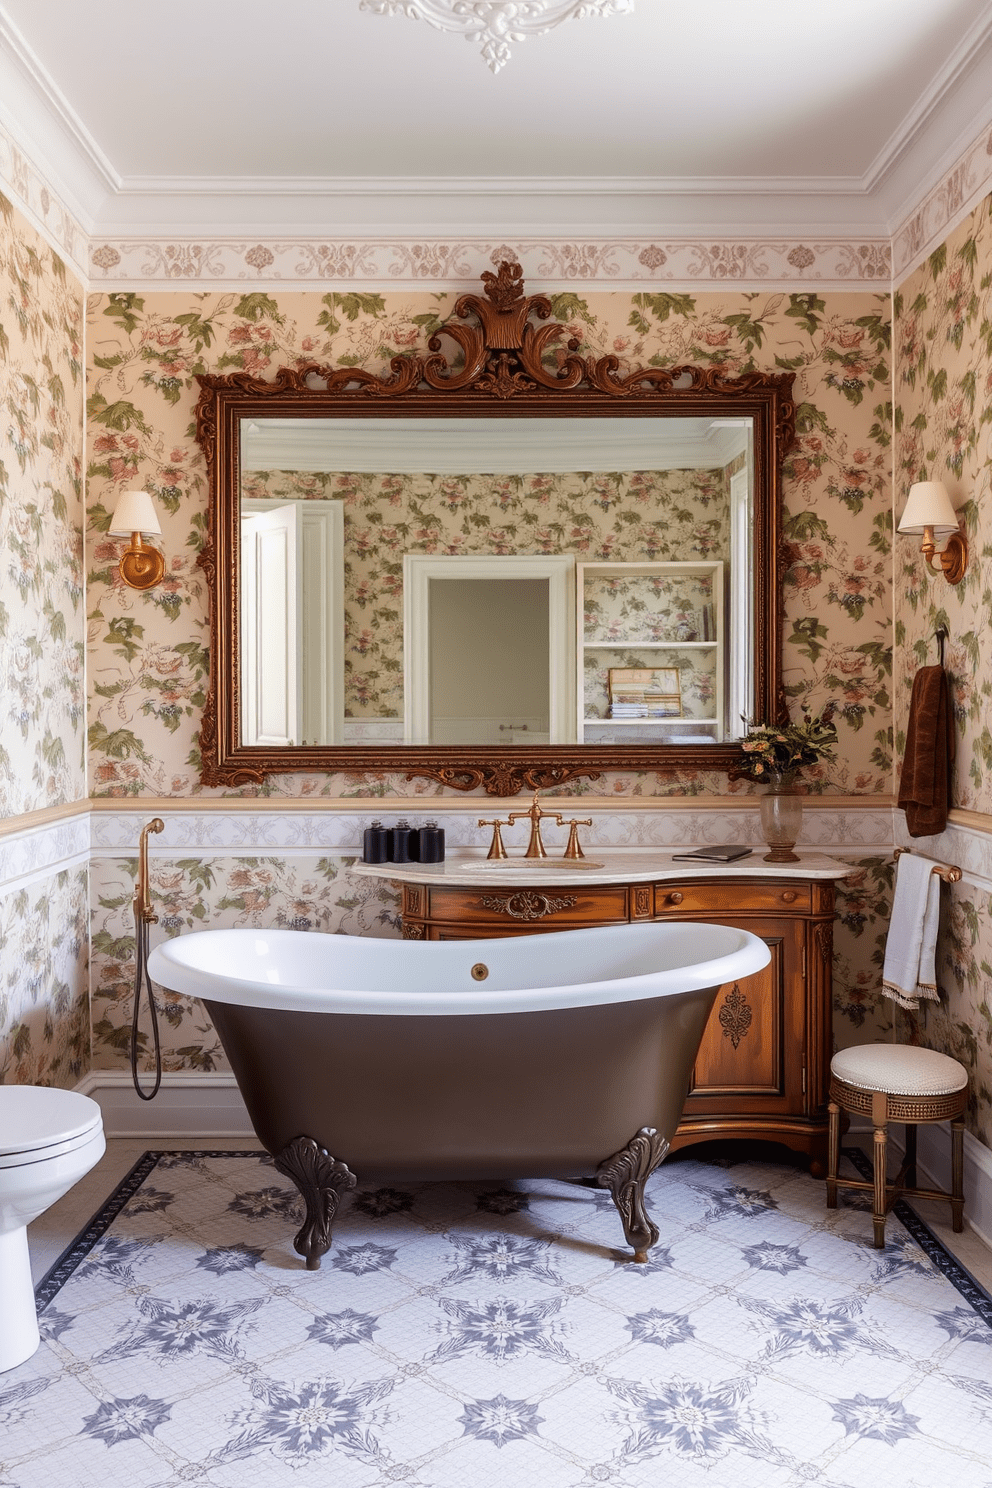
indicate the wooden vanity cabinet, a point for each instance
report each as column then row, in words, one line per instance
column 763, row 1064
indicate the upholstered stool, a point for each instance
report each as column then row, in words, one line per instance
column 897, row 1082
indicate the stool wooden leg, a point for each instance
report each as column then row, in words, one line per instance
column 911, row 1130
column 833, row 1154
column 957, row 1175
column 879, row 1116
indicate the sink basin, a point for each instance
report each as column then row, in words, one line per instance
column 526, row 865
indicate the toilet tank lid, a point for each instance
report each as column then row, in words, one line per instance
column 33, row 1116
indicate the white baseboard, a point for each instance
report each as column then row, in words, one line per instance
column 933, row 1151
column 187, row 1105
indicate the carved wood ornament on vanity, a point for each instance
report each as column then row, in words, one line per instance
column 510, row 368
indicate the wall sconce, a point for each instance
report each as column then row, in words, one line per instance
column 142, row 566
column 930, row 515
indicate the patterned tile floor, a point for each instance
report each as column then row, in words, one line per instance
column 472, row 1334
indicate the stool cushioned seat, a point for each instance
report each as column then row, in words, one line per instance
column 899, row 1069
column 897, row 1082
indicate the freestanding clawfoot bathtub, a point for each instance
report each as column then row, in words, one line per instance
column 559, row 1056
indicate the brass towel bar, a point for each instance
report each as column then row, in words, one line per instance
column 949, row 872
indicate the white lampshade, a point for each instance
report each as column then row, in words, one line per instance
column 929, row 505
column 135, row 512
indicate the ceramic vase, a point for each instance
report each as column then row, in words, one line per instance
column 781, row 809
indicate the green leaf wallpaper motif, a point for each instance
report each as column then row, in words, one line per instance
column 148, row 685
column 943, row 421
column 44, row 1009
column 42, row 626
column 291, row 893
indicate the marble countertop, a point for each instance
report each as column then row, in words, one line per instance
column 463, row 869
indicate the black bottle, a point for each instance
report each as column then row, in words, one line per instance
column 404, row 842
column 431, row 843
column 375, row 844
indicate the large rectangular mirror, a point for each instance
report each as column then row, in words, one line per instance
column 507, row 574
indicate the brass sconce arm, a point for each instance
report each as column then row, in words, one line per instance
column 952, row 559
column 142, row 566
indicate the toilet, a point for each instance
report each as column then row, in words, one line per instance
column 48, row 1140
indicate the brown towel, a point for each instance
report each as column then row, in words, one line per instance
column 925, row 783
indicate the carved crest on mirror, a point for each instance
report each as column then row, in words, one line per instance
column 506, row 357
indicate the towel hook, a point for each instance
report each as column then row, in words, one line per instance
column 941, row 636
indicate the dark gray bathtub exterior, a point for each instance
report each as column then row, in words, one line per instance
column 593, row 1093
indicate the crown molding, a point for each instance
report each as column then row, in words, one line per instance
column 958, row 189
column 38, row 201
column 42, row 120
column 621, row 233
column 962, row 87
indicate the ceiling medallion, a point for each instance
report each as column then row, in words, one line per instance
column 495, row 23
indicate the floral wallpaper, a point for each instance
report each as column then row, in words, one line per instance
column 44, row 1008
column 943, row 421
column 147, row 653
column 42, row 699
column 303, row 892
column 192, row 893
column 640, row 515
column 44, row 1017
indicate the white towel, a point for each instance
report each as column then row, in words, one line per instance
column 910, row 968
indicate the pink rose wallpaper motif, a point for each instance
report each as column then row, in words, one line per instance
column 145, row 349
column 943, row 379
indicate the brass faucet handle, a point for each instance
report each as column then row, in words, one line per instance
column 496, row 848
column 574, row 848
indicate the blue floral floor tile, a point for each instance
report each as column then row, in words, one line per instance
column 466, row 1335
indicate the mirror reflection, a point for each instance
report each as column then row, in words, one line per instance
column 495, row 581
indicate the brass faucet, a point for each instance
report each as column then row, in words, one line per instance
column 142, row 904
column 574, row 848
column 496, row 848
column 535, row 847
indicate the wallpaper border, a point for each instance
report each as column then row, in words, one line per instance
column 957, row 193
column 616, row 827
column 763, row 261
column 619, row 263
column 233, row 828
column 39, row 201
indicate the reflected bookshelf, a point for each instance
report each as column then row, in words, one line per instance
column 652, row 651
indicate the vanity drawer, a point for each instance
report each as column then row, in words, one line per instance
column 496, row 909
column 733, row 897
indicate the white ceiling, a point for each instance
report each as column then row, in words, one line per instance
column 508, row 446
column 237, row 114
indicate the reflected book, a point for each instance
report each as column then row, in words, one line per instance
column 727, row 853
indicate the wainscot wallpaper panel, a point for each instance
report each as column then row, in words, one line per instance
column 943, row 375
column 300, row 891
column 147, row 653
column 195, row 893
column 42, row 626
column 44, row 1006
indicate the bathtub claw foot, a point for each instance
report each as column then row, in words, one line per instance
column 321, row 1180
column 625, row 1174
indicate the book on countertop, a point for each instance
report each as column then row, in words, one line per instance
column 728, row 853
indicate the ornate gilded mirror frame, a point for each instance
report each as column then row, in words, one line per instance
column 504, row 373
